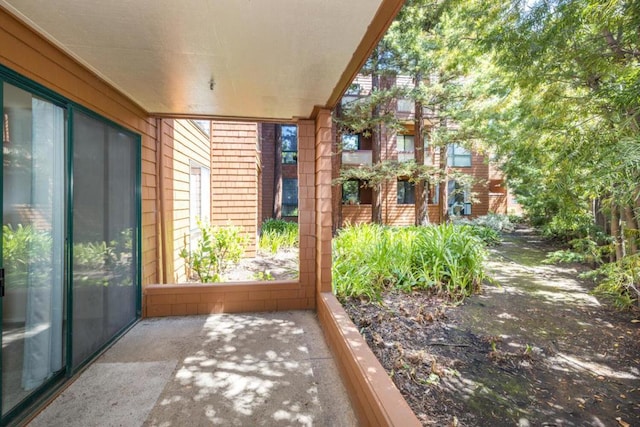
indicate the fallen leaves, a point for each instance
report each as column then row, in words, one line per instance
column 622, row 423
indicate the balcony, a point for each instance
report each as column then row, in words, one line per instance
column 405, row 156
column 357, row 157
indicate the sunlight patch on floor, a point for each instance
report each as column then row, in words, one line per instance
column 565, row 362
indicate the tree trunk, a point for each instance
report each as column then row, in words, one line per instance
column 422, row 196
column 615, row 232
column 277, row 175
column 443, row 195
column 376, row 148
column 631, row 230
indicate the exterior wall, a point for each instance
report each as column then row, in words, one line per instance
column 306, row 207
column 190, row 143
column 267, row 157
column 234, row 177
column 480, row 190
column 192, row 298
column 28, row 54
column 323, row 232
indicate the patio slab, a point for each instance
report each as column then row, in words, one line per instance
column 259, row 369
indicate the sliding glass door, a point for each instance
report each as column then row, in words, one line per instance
column 33, row 230
column 69, row 242
column 104, row 230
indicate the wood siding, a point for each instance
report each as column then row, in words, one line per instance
column 190, row 144
column 234, row 177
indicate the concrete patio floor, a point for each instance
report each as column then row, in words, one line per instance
column 261, row 369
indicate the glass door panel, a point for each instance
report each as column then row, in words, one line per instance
column 33, row 141
column 104, row 230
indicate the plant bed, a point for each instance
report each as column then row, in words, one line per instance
column 534, row 348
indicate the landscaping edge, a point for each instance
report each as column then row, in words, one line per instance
column 374, row 398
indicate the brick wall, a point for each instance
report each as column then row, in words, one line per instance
column 234, row 177
column 268, row 147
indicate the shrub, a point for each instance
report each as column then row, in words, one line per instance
column 277, row 233
column 619, row 281
column 488, row 235
column 369, row 258
column 26, row 255
column 583, row 250
column 217, row 248
column 497, row 222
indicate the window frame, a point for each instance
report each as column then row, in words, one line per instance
column 405, row 138
column 358, row 138
column 411, row 190
column 289, row 157
column 285, row 206
column 466, row 198
column 454, row 156
column 204, row 197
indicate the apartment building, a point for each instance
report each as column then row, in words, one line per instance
column 352, row 203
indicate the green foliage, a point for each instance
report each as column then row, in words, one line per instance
column 516, row 219
column 277, row 233
column 565, row 227
column 101, row 263
column 263, row 276
column 446, row 259
column 590, row 250
column 27, row 255
column 487, row 228
column 620, row 281
column 217, row 248
column 489, row 236
column 496, row 222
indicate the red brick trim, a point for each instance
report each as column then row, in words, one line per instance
column 208, row 298
column 374, row 397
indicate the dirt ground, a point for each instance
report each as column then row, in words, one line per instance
column 534, row 348
column 266, row 266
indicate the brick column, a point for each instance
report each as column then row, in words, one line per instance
column 323, row 220
column 306, row 208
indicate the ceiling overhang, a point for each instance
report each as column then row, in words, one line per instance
column 239, row 59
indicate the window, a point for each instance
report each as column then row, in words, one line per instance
column 406, row 192
column 405, row 143
column 458, row 156
column 289, row 140
column 406, row 105
column 354, row 192
column 459, row 199
column 289, row 197
column 199, row 199
column 350, row 142
column 351, row 193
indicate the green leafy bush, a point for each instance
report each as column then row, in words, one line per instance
column 102, row 263
column 277, row 233
column 27, row 255
column 583, row 250
column 566, row 227
column 216, row 250
column 619, row 281
column 497, row 222
column 370, row 258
